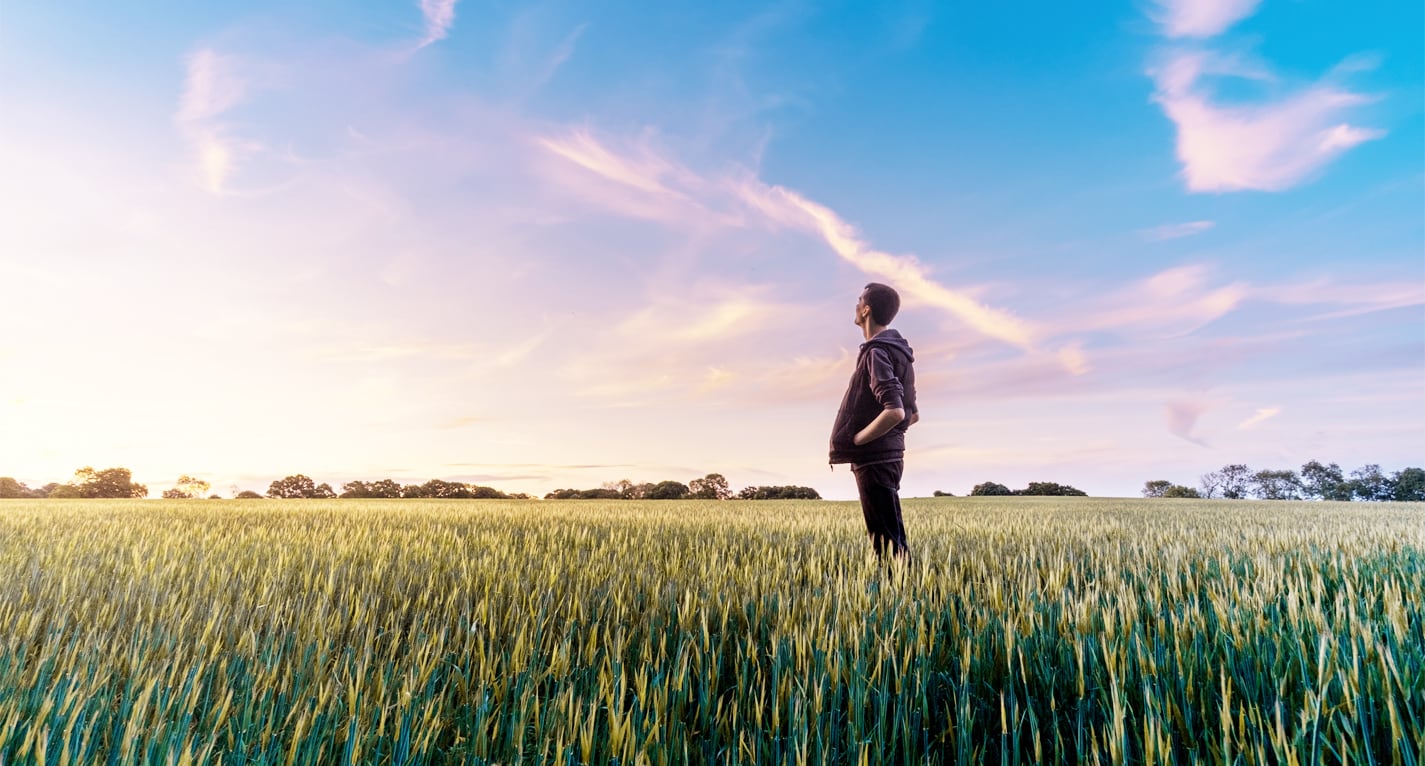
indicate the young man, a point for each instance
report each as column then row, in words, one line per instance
column 878, row 408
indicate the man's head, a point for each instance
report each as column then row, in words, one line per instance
column 878, row 304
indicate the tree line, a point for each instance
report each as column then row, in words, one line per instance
column 714, row 486
column 1315, row 481
column 88, row 483
column 1035, row 488
column 119, row 483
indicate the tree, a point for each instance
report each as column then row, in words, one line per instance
column 603, row 493
column 187, row 488
column 387, row 488
column 667, row 490
column 355, row 490
column 1409, row 485
column 299, row 486
column 110, row 483
column 248, row 494
column 1368, row 483
column 628, row 490
column 990, row 489
column 1232, row 482
column 1268, row 484
column 1051, row 489
column 938, row 493
column 789, row 492
column 445, row 490
column 1178, row 490
column 710, row 487
column 1323, row 482
column 10, row 488
column 1156, row 487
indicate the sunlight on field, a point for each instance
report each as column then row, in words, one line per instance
column 1024, row 630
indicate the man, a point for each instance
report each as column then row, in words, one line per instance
column 878, row 408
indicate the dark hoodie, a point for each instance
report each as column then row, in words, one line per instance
column 883, row 379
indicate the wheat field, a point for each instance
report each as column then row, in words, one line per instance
column 1024, row 630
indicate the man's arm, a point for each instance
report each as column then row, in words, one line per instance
column 877, row 428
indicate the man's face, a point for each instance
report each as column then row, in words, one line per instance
column 863, row 312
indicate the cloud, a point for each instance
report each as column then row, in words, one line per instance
column 666, row 190
column 1355, row 299
column 1173, row 302
column 789, row 208
column 439, row 16
column 1073, row 359
column 1175, row 230
column 1181, row 416
column 1261, row 415
column 561, row 54
column 1264, row 146
column 638, row 181
column 724, row 320
column 1201, row 18
column 211, row 88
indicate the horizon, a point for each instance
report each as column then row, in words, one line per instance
column 550, row 246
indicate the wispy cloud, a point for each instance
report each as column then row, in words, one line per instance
column 911, row 278
column 1201, row 18
column 211, row 88
column 691, row 323
column 439, row 16
column 1264, row 147
column 1181, row 416
column 665, row 182
column 1175, row 230
column 561, row 54
column 1263, row 414
column 1172, row 302
column 1353, row 299
column 636, row 180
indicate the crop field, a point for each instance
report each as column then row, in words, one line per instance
column 1024, row 630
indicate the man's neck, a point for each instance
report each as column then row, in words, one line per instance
column 871, row 330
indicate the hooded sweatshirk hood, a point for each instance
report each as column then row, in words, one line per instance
column 892, row 339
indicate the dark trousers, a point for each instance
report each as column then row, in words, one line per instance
column 879, row 485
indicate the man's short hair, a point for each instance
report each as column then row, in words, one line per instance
column 883, row 301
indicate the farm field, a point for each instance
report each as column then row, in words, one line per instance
column 1024, row 630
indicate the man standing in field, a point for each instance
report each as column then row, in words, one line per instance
column 878, row 407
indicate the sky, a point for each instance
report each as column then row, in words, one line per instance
column 556, row 244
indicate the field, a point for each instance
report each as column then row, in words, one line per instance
column 1025, row 630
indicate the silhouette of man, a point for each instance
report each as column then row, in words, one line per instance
column 878, row 407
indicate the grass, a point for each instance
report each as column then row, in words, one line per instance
column 1025, row 630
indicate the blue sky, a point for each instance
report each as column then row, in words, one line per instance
column 540, row 245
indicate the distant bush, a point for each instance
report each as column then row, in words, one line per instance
column 789, row 492
column 1050, row 489
column 990, row 489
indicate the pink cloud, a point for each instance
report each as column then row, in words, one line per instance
column 789, row 208
column 439, row 16
column 666, row 190
column 1181, row 416
column 1202, row 18
column 1263, row 147
column 1263, row 414
column 211, row 88
column 1176, row 230
column 1173, row 302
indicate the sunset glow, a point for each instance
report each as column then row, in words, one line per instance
column 553, row 245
